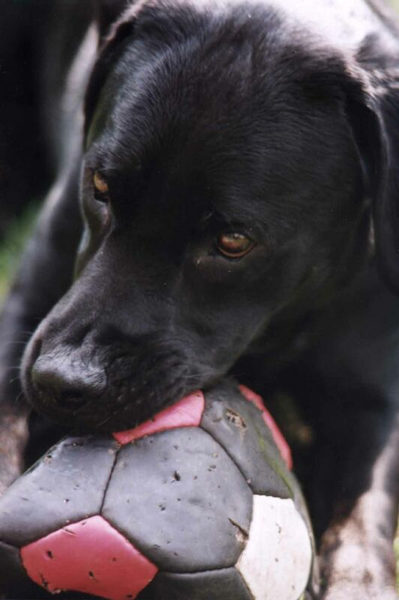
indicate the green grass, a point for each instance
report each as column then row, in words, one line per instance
column 12, row 246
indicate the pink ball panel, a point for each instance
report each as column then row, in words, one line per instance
column 271, row 423
column 184, row 413
column 91, row 557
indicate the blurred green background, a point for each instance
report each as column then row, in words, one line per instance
column 12, row 246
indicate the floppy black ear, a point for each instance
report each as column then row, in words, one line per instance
column 386, row 205
column 373, row 116
column 375, row 125
column 108, row 54
column 107, row 12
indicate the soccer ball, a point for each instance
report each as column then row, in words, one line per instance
column 197, row 503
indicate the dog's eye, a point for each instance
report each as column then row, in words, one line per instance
column 234, row 245
column 101, row 189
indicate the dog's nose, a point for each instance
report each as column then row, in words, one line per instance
column 65, row 383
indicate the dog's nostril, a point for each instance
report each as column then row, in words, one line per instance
column 64, row 383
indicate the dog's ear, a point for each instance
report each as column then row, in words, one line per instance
column 108, row 54
column 373, row 117
column 374, row 120
column 107, row 12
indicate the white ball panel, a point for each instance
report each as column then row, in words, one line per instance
column 277, row 559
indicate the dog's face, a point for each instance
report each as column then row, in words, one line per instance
column 220, row 187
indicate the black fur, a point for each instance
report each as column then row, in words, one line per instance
column 235, row 119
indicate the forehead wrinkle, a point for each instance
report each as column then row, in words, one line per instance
column 171, row 106
column 164, row 90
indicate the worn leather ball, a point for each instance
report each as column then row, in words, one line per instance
column 198, row 503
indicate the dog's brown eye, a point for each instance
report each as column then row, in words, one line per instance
column 100, row 184
column 234, row 245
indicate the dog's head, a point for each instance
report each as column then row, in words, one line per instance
column 227, row 176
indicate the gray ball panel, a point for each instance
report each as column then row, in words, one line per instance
column 238, row 426
column 224, row 584
column 181, row 500
column 67, row 485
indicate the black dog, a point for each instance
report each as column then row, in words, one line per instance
column 238, row 187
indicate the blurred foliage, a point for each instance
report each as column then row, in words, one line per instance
column 11, row 247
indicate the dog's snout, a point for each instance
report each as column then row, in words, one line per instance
column 61, row 382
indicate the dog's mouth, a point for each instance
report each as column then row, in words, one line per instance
column 138, row 387
column 109, row 388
